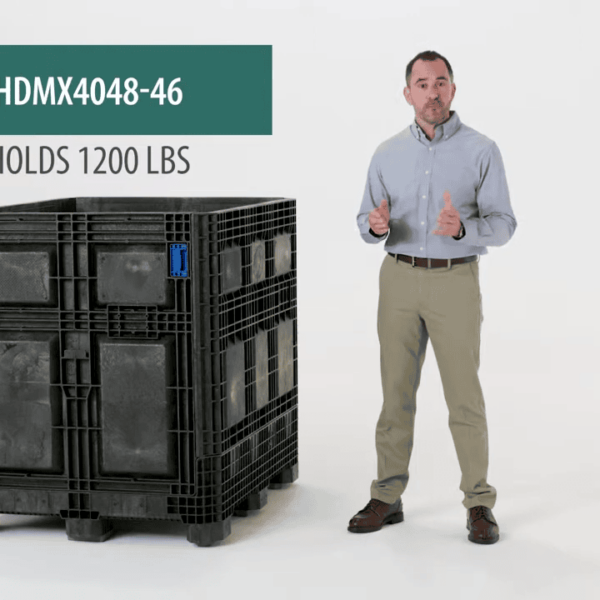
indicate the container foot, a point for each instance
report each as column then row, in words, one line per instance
column 288, row 475
column 254, row 501
column 88, row 530
column 206, row 534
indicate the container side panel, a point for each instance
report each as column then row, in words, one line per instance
column 132, row 277
column 25, row 278
column 231, row 269
column 283, row 254
column 285, row 343
column 257, row 262
column 262, row 369
column 137, row 408
column 27, row 402
column 236, row 387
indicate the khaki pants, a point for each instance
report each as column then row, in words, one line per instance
column 443, row 304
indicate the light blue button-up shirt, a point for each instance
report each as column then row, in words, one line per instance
column 412, row 173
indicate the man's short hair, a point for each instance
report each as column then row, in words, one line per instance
column 427, row 55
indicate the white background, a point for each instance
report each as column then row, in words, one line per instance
column 526, row 76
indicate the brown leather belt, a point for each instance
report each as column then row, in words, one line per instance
column 433, row 263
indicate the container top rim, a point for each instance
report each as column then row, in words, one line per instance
column 248, row 203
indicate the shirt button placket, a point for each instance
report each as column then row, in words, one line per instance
column 428, row 186
column 425, row 209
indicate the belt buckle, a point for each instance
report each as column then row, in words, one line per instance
column 412, row 262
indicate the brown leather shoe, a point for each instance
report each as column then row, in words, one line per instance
column 482, row 526
column 375, row 515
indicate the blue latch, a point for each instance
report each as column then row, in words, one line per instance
column 179, row 260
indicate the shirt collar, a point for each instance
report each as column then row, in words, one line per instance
column 447, row 129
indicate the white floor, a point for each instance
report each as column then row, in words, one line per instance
column 543, row 464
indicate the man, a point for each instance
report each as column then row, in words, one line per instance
column 439, row 171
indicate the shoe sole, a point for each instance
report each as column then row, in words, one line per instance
column 395, row 518
column 480, row 541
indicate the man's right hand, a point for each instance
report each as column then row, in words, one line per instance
column 379, row 218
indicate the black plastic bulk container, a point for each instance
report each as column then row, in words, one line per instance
column 148, row 360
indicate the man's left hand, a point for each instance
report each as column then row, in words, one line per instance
column 448, row 220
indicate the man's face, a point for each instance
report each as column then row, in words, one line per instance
column 430, row 91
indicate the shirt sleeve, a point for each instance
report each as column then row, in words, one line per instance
column 496, row 223
column 375, row 192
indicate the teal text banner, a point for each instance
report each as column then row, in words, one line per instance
column 136, row 90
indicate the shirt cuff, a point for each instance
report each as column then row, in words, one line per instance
column 461, row 233
column 378, row 235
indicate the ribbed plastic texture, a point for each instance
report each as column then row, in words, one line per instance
column 148, row 359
